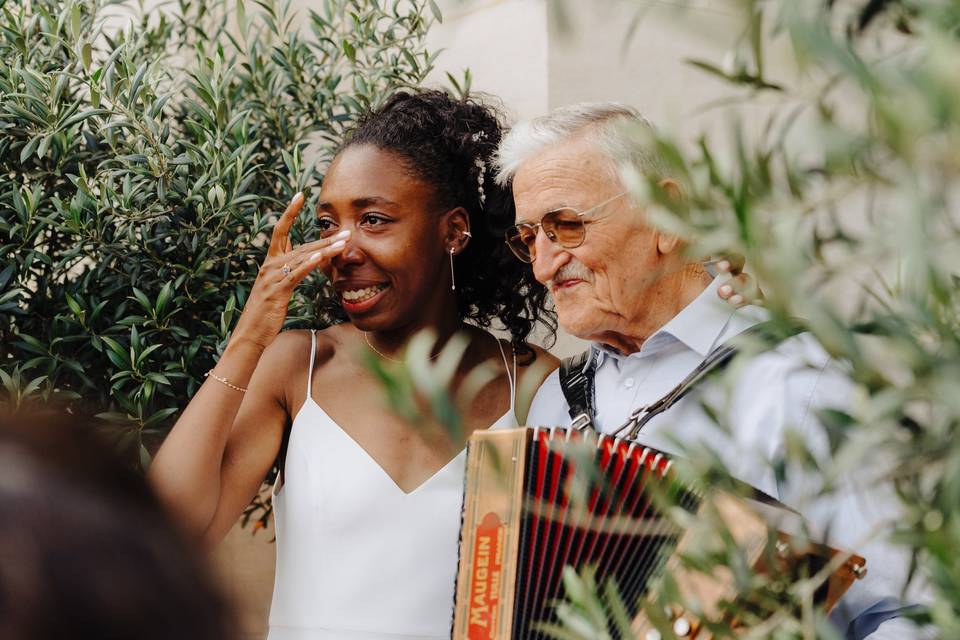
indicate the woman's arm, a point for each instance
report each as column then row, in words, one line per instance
column 224, row 442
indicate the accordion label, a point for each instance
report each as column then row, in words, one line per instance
column 485, row 579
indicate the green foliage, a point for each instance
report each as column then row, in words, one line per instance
column 844, row 201
column 144, row 157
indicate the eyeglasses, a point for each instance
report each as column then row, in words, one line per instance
column 564, row 226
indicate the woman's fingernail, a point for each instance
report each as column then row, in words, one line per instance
column 726, row 290
column 297, row 196
column 339, row 244
column 736, row 300
column 315, row 256
column 343, row 234
column 723, row 265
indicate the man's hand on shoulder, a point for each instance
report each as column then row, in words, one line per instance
column 740, row 287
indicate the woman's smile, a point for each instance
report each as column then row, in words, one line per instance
column 360, row 299
column 358, row 294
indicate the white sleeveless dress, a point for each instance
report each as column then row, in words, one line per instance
column 357, row 557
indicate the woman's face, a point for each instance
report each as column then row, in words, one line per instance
column 394, row 272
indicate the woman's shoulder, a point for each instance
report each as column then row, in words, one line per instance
column 291, row 348
column 285, row 356
column 534, row 369
column 541, row 358
column 286, row 362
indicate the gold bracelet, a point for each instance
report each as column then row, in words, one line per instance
column 224, row 381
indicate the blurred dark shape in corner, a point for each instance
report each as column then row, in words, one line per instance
column 86, row 551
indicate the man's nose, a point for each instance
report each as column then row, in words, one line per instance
column 548, row 257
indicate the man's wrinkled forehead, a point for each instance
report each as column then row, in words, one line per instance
column 572, row 173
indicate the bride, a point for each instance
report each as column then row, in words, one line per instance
column 368, row 510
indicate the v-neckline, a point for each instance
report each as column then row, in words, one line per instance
column 376, row 463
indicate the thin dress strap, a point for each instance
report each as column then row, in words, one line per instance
column 284, row 443
column 313, row 358
column 511, row 377
column 513, row 383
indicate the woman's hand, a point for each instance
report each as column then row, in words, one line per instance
column 283, row 269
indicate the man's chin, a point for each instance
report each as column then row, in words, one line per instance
column 577, row 323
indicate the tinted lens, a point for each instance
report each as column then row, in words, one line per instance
column 520, row 239
column 565, row 227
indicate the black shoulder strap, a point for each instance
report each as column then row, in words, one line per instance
column 576, row 382
column 772, row 332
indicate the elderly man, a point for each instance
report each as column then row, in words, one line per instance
column 653, row 315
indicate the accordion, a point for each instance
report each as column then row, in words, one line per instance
column 538, row 500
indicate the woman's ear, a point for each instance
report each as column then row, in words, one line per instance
column 456, row 226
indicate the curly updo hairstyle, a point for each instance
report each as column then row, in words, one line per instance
column 449, row 143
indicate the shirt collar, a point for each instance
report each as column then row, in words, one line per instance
column 701, row 326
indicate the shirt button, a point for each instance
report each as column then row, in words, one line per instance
column 628, row 383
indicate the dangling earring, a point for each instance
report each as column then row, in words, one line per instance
column 453, row 278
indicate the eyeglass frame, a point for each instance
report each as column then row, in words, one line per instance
column 538, row 226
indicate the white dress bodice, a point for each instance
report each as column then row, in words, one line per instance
column 357, row 557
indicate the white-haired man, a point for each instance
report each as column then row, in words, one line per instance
column 653, row 316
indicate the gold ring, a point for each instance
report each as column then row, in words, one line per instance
column 285, row 269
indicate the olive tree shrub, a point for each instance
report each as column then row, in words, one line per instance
column 143, row 156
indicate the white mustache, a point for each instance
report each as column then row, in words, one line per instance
column 573, row 270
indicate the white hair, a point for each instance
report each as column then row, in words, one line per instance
column 611, row 124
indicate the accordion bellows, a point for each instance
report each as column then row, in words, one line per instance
column 536, row 502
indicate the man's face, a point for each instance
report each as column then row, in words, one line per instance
column 602, row 288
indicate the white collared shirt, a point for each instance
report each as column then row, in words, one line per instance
column 769, row 396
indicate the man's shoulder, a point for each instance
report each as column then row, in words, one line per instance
column 800, row 355
column 784, row 387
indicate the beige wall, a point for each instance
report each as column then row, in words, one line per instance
column 244, row 563
column 517, row 51
column 504, row 43
column 600, row 60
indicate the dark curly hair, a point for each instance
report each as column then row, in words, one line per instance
column 449, row 143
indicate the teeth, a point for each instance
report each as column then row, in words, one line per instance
column 359, row 295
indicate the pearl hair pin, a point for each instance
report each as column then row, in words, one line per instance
column 481, row 168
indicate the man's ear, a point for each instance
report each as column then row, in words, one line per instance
column 456, row 228
column 667, row 243
column 671, row 187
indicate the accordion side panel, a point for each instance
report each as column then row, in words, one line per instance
column 749, row 527
column 849, row 567
column 853, row 569
column 750, row 533
column 492, row 510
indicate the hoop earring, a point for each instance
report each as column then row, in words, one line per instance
column 453, row 278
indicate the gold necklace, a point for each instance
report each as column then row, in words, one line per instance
column 385, row 356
